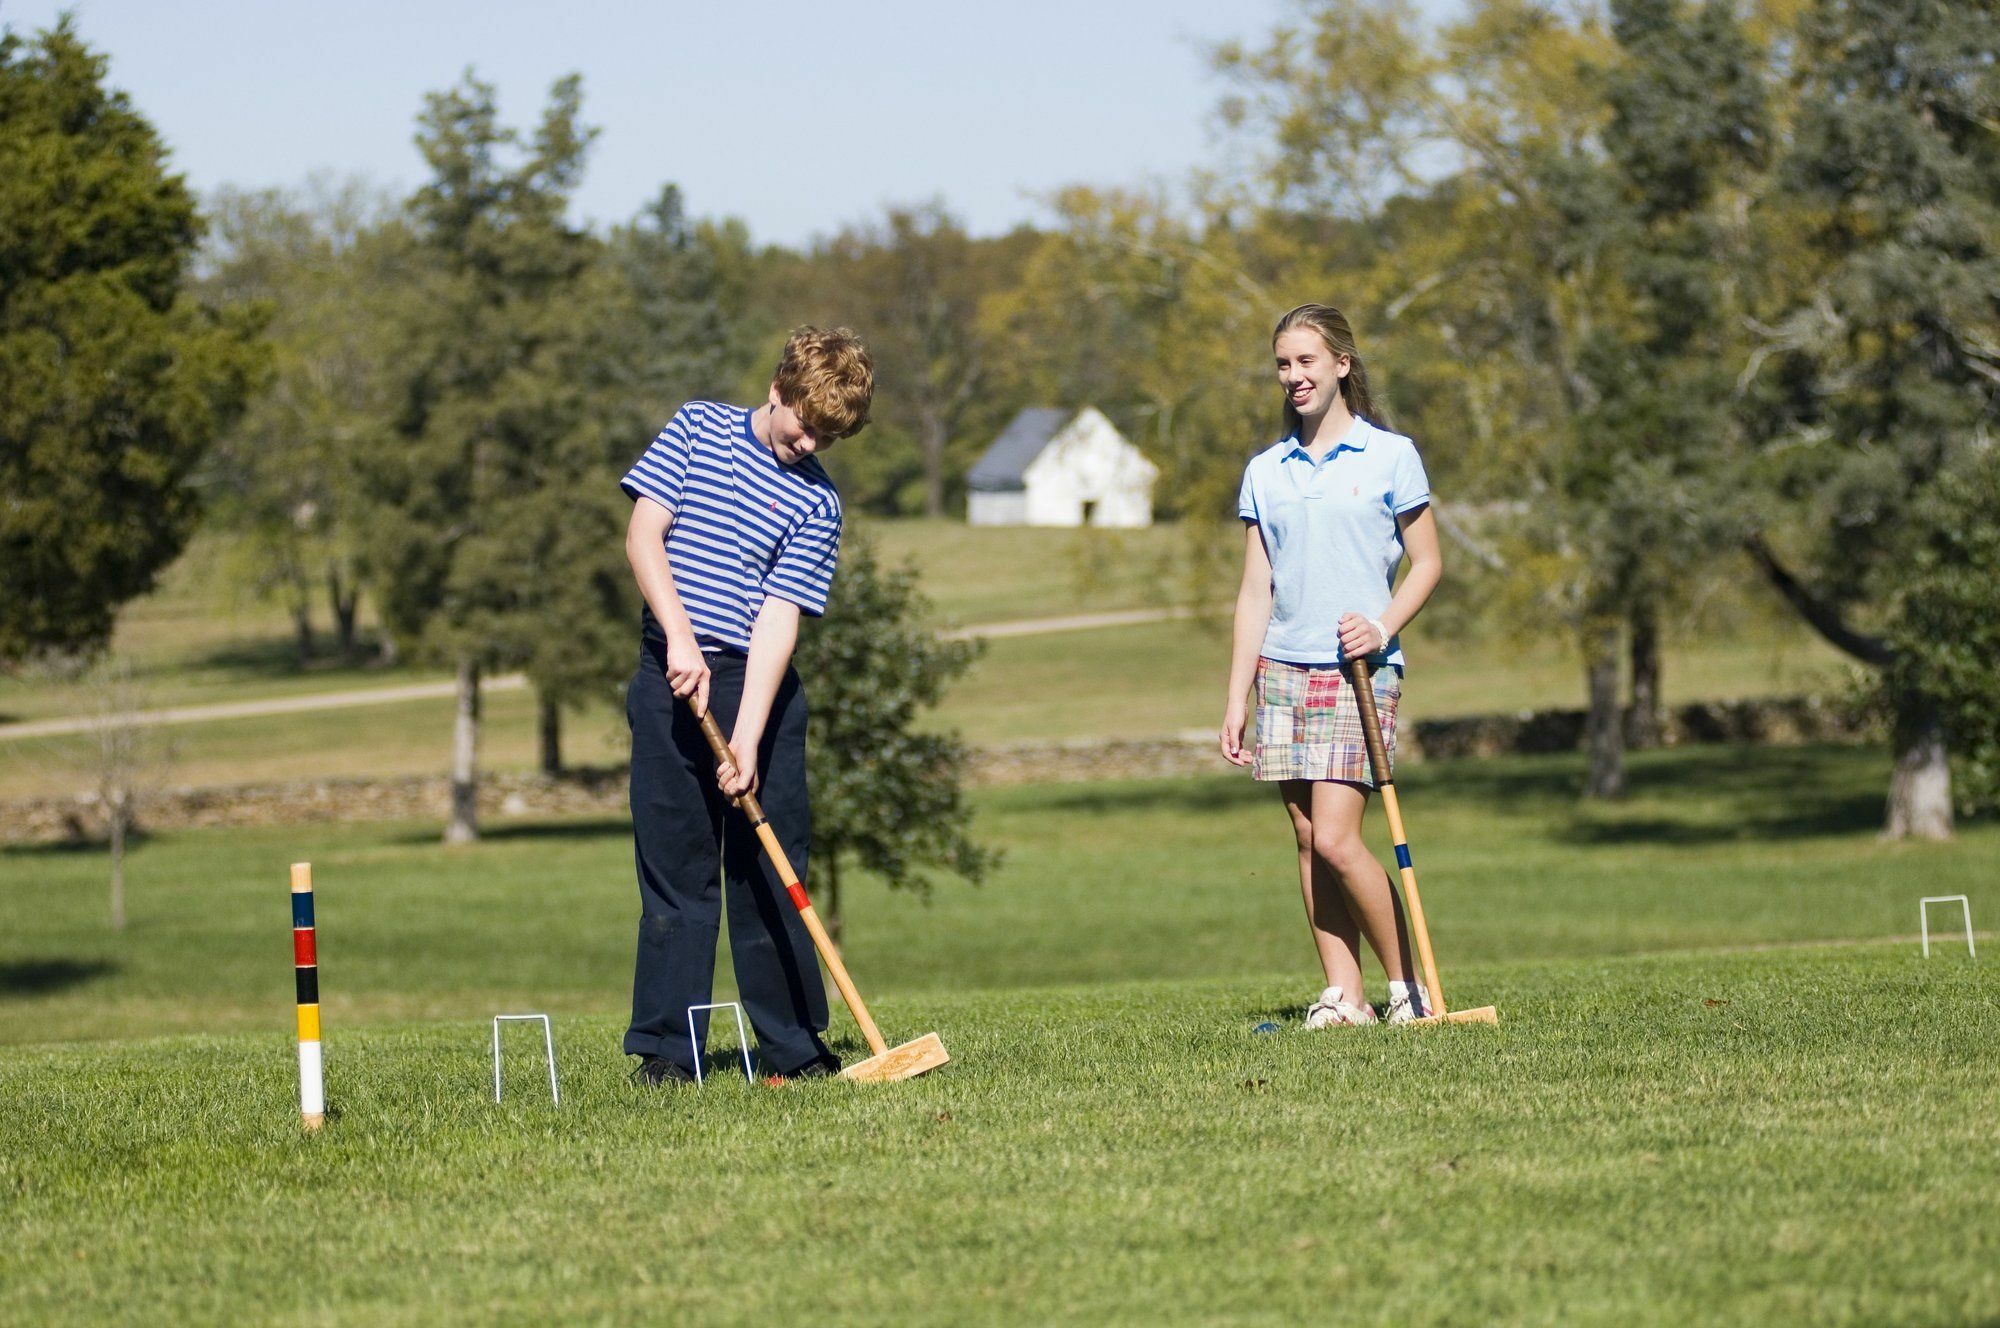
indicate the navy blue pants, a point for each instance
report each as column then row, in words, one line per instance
column 687, row 841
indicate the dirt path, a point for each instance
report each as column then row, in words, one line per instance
column 508, row 682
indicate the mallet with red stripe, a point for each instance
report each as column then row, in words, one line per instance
column 886, row 1063
column 1378, row 760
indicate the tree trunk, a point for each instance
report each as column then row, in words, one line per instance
column 302, row 630
column 1605, row 726
column 1643, row 722
column 831, row 915
column 345, row 596
column 548, row 727
column 931, row 440
column 389, row 652
column 1920, row 785
column 118, row 808
column 464, row 825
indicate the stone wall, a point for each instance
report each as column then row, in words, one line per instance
column 1785, row 721
column 1780, row 722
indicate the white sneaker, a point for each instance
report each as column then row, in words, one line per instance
column 1332, row 1010
column 1410, row 1004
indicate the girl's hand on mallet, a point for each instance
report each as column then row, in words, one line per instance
column 687, row 673
column 1360, row 637
column 738, row 777
column 1233, row 720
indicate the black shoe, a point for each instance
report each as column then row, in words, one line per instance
column 819, row 1067
column 656, row 1070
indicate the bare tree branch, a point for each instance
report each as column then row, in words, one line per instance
column 1824, row 617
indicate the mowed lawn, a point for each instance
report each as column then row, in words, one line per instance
column 1725, row 1088
column 1119, row 881
column 1802, row 1137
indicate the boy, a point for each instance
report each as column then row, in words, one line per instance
column 735, row 531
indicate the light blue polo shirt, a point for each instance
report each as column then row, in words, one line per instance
column 1330, row 528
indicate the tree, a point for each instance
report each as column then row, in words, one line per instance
column 886, row 796
column 1946, row 636
column 1880, row 371
column 482, row 497
column 1684, row 147
column 321, row 267
column 913, row 285
column 122, row 753
column 112, row 384
column 658, row 323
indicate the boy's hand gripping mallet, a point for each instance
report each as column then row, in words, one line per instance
column 1378, row 761
column 904, row 1062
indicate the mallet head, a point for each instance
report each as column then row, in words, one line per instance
column 1485, row 1014
column 904, row 1062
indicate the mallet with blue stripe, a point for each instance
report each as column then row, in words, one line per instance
column 1378, row 760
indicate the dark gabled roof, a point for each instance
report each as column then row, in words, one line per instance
column 1004, row 465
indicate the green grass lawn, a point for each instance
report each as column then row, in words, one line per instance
column 1801, row 1137
column 1141, row 880
column 1690, row 1113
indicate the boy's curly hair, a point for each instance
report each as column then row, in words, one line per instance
column 827, row 377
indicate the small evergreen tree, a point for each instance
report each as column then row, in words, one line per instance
column 112, row 385
column 886, row 796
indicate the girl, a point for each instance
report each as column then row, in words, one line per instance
column 1331, row 511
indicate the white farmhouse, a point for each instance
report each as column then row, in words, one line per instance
column 1061, row 468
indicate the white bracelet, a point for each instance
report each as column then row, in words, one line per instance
column 1380, row 631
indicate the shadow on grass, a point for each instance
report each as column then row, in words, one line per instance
column 1806, row 820
column 1189, row 795
column 595, row 827
column 1282, row 1014
column 277, row 656
column 39, row 977
column 135, row 840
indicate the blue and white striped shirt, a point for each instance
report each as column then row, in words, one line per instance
column 745, row 525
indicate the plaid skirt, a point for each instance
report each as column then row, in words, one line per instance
column 1308, row 726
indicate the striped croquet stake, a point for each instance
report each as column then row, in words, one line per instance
column 305, row 961
column 1378, row 761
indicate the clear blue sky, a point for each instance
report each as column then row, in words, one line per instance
column 797, row 117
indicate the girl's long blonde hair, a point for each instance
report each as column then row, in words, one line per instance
column 1331, row 324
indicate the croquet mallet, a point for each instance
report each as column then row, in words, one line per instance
column 886, row 1063
column 1378, row 760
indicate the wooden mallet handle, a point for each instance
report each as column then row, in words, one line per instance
column 748, row 804
column 1378, row 760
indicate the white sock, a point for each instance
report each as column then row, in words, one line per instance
column 1410, row 990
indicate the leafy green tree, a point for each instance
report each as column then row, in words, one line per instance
column 1685, row 146
column 651, row 322
column 1162, row 324
column 1880, row 372
column 913, row 285
column 1946, row 636
column 887, row 796
column 488, row 510
column 112, row 383
column 322, row 268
